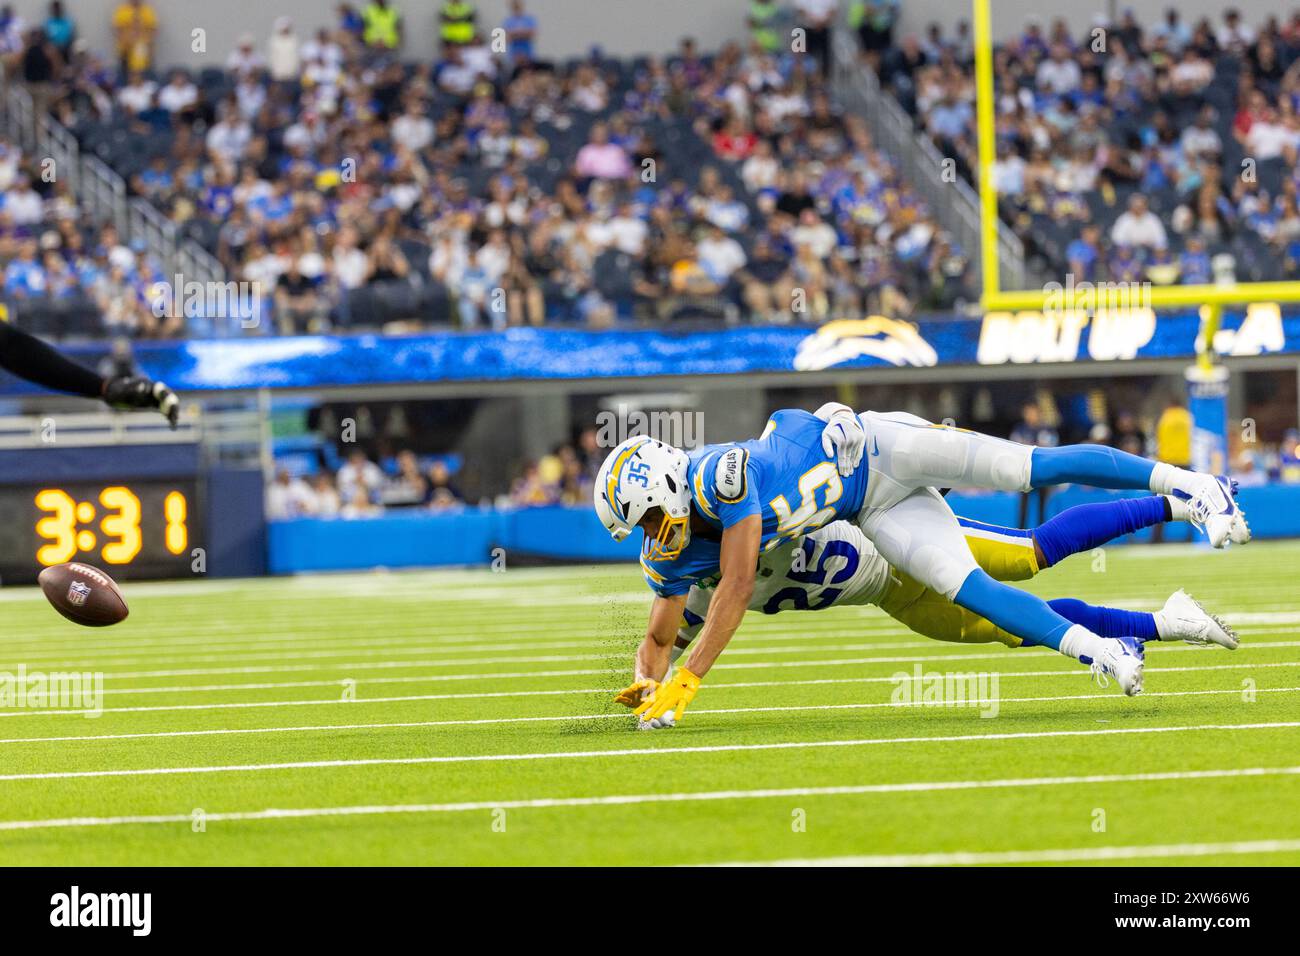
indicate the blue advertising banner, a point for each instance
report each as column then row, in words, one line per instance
column 560, row 353
column 470, row 537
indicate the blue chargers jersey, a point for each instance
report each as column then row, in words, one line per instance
column 784, row 476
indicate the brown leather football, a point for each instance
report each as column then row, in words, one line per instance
column 84, row 594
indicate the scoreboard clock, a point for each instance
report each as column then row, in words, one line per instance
column 142, row 528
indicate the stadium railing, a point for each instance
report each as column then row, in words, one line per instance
column 953, row 202
column 103, row 192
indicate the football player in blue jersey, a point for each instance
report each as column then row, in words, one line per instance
column 837, row 566
column 757, row 495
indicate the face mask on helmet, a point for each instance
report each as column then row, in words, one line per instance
column 668, row 537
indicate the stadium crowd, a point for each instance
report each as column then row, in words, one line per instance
column 362, row 182
column 1162, row 152
column 490, row 188
column 367, row 483
column 63, row 273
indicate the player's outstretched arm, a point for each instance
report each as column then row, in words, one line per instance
column 652, row 655
column 739, row 562
column 31, row 359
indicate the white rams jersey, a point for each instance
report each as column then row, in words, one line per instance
column 833, row 566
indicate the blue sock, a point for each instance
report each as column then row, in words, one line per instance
column 1086, row 526
column 1107, row 621
column 1094, row 465
column 1015, row 611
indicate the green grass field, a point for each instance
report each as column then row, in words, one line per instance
column 464, row 718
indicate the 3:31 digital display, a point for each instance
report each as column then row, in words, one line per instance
column 131, row 529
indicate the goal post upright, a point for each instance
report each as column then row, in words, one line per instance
column 986, row 129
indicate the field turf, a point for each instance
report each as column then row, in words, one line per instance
column 464, row 718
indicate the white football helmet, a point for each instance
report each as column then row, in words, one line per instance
column 641, row 474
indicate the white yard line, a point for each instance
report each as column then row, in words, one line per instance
column 1065, row 855
column 325, row 647
column 429, row 678
column 349, row 650
column 625, row 752
column 613, row 716
column 41, row 712
column 729, row 664
column 683, row 797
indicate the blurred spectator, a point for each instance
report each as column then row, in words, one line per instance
column 355, row 504
column 244, row 61
column 765, row 281
column 1174, row 434
column 382, row 28
column 325, row 501
column 135, row 25
column 762, row 19
column 1173, row 444
column 1289, row 457
column 60, row 29
column 299, row 305
column 284, row 57
column 874, row 20
column 442, row 489
column 1234, row 36
column 119, row 361
column 530, row 490
column 521, row 34
column 288, row 497
column 359, row 480
column 816, row 17
column 457, row 22
column 179, row 95
column 408, row 486
column 601, row 159
column 1247, row 471
column 1129, row 435
column 1139, row 226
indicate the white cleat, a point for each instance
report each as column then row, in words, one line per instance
column 1183, row 618
column 1212, row 509
column 1123, row 660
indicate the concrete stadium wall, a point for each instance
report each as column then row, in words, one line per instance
column 570, row 27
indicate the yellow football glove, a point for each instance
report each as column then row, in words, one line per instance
column 634, row 693
column 673, row 694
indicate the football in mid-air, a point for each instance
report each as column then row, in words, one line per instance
column 84, row 594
